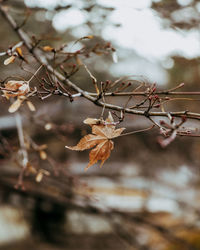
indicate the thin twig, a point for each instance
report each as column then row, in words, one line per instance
column 21, row 139
column 23, row 150
column 137, row 131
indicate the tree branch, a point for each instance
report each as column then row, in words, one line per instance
column 42, row 59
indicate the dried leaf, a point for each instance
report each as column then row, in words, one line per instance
column 82, row 38
column 92, row 121
column 31, row 169
column 78, row 61
column 43, row 155
column 98, row 53
column 15, row 106
column 19, row 51
column 42, row 147
column 31, row 106
column 16, row 88
column 89, row 37
column 41, row 173
column 39, row 177
column 101, row 138
column 9, row 60
column 48, row 48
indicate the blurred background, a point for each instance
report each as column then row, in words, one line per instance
column 146, row 197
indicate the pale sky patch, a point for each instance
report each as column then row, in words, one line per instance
column 142, row 31
column 137, row 4
column 68, row 19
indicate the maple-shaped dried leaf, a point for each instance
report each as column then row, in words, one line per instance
column 101, row 138
column 15, row 88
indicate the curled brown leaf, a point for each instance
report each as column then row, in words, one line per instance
column 101, row 136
